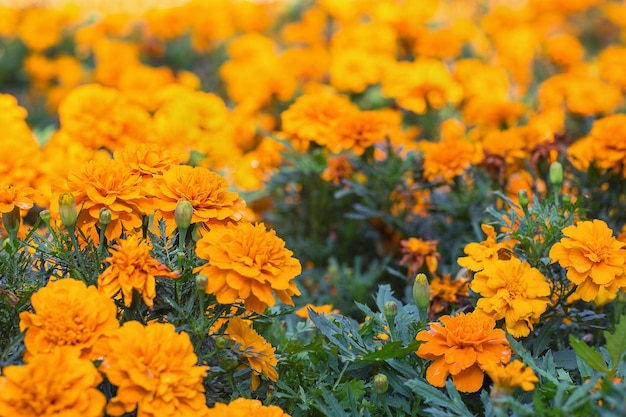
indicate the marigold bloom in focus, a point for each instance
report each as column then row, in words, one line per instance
column 514, row 291
column 462, row 347
column 257, row 351
column 246, row 263
column 147, row 160
column 132, row 268
column 155, row 371
column 67, row 313
column 207, row 191
column 50, row 385
column 109, row 184
column 246, row 408
column 416, row 252
column 488, row 250
column 510, row 376
column 593, row 258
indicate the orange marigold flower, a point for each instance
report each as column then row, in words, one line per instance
column 207, row 191
column 607, row 143
column 112, row 185
column 448, row 159
column 155, row 371
column 416, row 252
column 314, row 117
column 514, row 291
column 338, row 168
column 593, row 258
column 132, row 268
column 21, row 197
column 50, row 385
column 445, row 291
column 322, row 309
column 247, row 262
column 246, row 407
column 478, row 254
column 147, row 160
column 510, row 376
column 257, row 351
column 359, row 130
column 67, row 313
column 461, row 347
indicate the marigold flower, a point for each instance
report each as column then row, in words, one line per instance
column 359, row 130
column 510, row 376
column 448, row 159
column 132, row 268
column 486, row 251
column 416, row 252
column 247, row 262
column 155, row 371
column 607, row 144
column 461, row 347
column 246, row 407
column 207, row 191
column 147, row 160
column 108, row 184
column 67, row 313
column 593, row 257
column 445, row 291
column 257, row 351
column 514, row 291
column 53, row 384
column 21, row 197
column 321, row 309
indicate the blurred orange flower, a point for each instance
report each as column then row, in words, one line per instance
column 416, row 252
column 132, row 268
column 510, row 376
column 593, row 257
column 246, row 263
column 67, row 313
column 462, row 347
column 246, row 407
column 154, row 369
column 52, row 384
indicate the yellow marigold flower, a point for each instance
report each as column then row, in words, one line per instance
column 132, row 268
column 478, row 254
column 322, row 309
column 461, row 348
column 53, row 384
column 564, row 50
column 112, row 185
column 606, row 143
column 257, row 351
column 593, row 258
column 67, row 313
column 21, row 197
column 245, row 407
column 445, row 291
column 207, row 191
column 416, row 252
column 314, row 117
column 247, row 262
column 510, row 376
column 514, row 291
column 147, row 160
column 448, row 159
column 100, row 116
column 155, row 371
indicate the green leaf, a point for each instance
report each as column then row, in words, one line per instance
column 390, row 350
column 588, row 354
column 616, row 342
column 435, row 397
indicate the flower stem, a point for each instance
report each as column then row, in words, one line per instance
column 77, row 252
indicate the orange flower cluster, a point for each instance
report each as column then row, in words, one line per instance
column 462, row 347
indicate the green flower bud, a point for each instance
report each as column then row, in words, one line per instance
column 44, row 215
column 391, row 309
column 183, row 214
column 556, row 173
column 227, row 360
column 220, row 342
column 12, row 220
column 105, row 217
column 202, row 281
column 381, row 383
column 421, row 294
column 67, row 209
column 522, row 196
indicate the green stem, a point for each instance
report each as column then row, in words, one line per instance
column 77, row 252
column 343, row 370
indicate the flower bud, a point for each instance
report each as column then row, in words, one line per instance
column 44, row 215
column 522, row 197
column 556, row 173
column 381, row 383
column 227, row 360
column 67, row 209
column 105, row 217
column 183, row 214
column 201, row 281
column 220, row 342
column 421, row 294
column 12, row 220
column 390, row 309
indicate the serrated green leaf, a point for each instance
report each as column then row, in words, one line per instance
column 588, row 354
column 391, row 350
column 435, row 397
column 616, row 342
